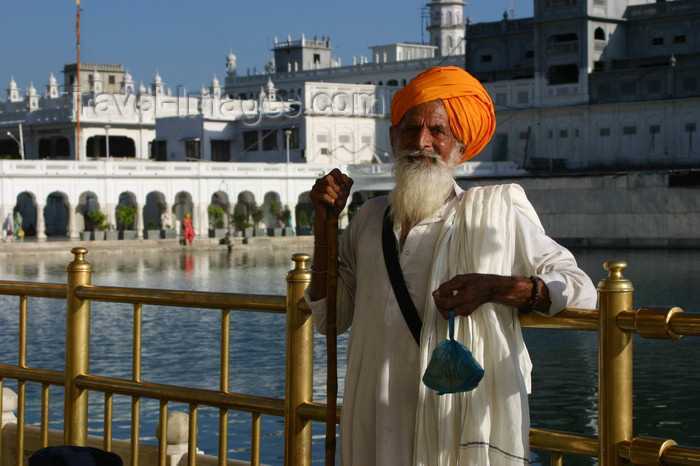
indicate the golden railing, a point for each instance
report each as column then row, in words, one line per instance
column 615, row 322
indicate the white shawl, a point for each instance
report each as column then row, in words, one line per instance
column 490, row 424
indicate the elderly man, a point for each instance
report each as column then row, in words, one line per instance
column 481, row 252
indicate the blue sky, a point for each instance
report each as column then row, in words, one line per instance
column 187, row 41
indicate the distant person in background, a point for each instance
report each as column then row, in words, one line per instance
column 19, row 233
column 188, row 229
column 7, row 229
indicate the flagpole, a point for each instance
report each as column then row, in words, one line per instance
column 80, row 99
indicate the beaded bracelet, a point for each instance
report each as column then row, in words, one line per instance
column 532, row 302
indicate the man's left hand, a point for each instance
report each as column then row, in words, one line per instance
column 465, row 293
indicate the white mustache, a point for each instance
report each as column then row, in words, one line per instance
column 420, row 153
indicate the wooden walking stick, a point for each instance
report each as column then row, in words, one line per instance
column 331, row 333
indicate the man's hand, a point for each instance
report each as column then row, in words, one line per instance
column 465, row 293
column 330, row 191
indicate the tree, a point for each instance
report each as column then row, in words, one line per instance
column 125, row 216
column 97, row 219
column 257, row 216
column 216, row 214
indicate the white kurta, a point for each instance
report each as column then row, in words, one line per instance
column 383, row 366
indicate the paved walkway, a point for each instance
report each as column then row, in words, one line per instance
column 134, row 246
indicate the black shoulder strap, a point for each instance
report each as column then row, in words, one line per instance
column 408, row 309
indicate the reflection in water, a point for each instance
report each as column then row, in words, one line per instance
column 564, row 395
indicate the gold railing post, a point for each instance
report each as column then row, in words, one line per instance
column 77, row 350
column 299, row 366
column 614, row 365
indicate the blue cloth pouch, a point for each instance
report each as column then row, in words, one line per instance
column 452, row 368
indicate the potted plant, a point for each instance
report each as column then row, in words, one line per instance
column 303, row 225
column 152, row 232
column 216, row 220
column 111, row 233
column 125, row 219
column 276, row 215
column 167, row 231
column 238, row 221
column 287, row 221
column 97, row 220
column 258, row 215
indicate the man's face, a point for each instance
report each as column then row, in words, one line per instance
column 426, row 127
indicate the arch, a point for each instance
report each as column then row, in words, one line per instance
column 87, row 202
column 219, row 199
column 56, row 214
column 599, row 34
column 272, row 208
column 128, row 199
column 183, row 205
column 392, row 82
column 26, row 206
column 304, row 210
column 119, row 146
column 53, row 147
column 153, row 211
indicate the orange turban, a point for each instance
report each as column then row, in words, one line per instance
column 468, row 105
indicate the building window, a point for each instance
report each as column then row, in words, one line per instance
column 250, row 141
column 629, row 130
column 220, row 150
column 269, row 140
column 562, row 74
column 522, row 135
column 529, row 54
column 605, row 132
column 486, row 58
column 562, row 43
column 679, row 39
column 690, row 83
column 321, row 138
column 599, row 34
column 112, row 80
column 366, row 139
column 551, row 135
column 523, row 97
column 654, row 86
column 317, row 58
column 344, row 139
column 501, row 99
column 563, row 133
column 598, row 66
column 657, row 41
column 193, row 149
column 160, row 151
column 324, row 151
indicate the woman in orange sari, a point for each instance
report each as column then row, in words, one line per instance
column 188, row 229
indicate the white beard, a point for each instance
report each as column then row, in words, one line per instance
column 421, row 188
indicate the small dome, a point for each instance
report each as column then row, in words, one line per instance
column 96, row 76
column 52, row 79
column 127, row 76
column 142, row 88
column 214, row 82
column 157, row 79
column 31, row 91
column 13, row 84
column 231, row 56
